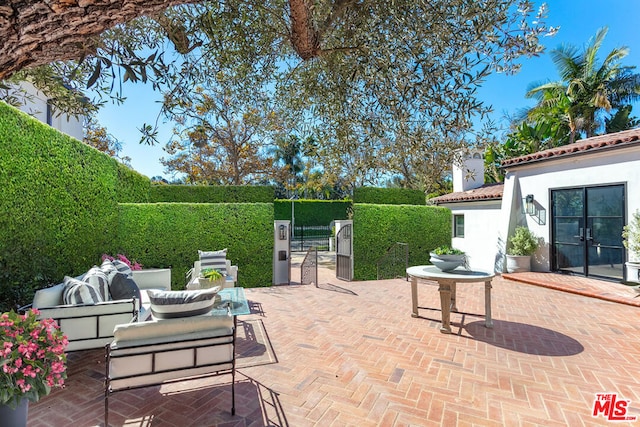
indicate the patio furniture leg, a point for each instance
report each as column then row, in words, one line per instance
column 414, row 297
column 453, row 297
column 488, row 322
column 445, row 305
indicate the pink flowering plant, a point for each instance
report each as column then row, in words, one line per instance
column 133, row 265
column 33, row 359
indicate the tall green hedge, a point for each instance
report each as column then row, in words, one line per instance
column 58, row 200
column 312, row 212
column 212, row 193
column 388, row 196
column 170, row 234
column 377, row 227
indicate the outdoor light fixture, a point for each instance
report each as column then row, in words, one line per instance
column 283, row 232
column 530, row 207
column 537, row 212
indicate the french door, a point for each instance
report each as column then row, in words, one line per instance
column 586, row 231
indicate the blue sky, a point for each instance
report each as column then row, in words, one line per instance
column 578, row 20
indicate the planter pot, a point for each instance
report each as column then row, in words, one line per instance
column 14, row 417
column 518, row 263
column 633, row 272
column 447, row 262
column 206, row 283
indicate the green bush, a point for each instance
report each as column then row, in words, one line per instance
column 58, row 201
column 388, row 196
column 378, row 227
column 170, row 235
column 312, row 212
column 212, row 193
column 132, row 187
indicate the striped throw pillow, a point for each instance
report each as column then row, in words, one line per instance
column 172, row 304
column 214, row 259
column 77, row 292
column 99, row 279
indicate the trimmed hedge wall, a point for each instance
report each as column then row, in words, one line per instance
column 377, row 227
column 58, row 200
column 388, row 196
column 312, row 212
column 170, row 234
column 212, row 193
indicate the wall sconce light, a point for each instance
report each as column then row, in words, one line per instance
column 282, row 232
column 529, row 205
column 537, row 212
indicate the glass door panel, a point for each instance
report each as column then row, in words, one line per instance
column 568, row 230
column 605, row 219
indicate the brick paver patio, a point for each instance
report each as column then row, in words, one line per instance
column 350, row 354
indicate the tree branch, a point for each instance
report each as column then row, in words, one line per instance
column 34, row 32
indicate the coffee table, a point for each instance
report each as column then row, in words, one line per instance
column 447, row 288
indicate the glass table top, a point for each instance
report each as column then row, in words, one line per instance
column 232, row 301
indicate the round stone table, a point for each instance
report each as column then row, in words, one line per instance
column 447, row 288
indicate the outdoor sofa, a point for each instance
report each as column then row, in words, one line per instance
column 91, row 325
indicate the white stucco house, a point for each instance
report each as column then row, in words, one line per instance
column 576, row 198
column 35, row 103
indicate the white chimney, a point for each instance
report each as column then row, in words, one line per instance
column 470, row 174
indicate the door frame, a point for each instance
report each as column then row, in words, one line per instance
column 584, row 187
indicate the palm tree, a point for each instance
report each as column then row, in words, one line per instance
column 586, row 88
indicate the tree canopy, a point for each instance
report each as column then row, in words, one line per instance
column 388, row 89
column 590, row 97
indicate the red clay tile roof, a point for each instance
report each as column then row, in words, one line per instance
column 596, row 143
column 486, row 192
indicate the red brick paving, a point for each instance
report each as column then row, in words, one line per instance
column 350, row 354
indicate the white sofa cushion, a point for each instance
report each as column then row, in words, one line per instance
column 48, row 297
column 167, row 330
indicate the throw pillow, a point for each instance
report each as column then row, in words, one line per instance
column 99, row 279
column 172, row 304
column 77, row 292
column 214, row 259
column 123, row 287
column 122, row 267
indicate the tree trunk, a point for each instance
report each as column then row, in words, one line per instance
column 35, row 32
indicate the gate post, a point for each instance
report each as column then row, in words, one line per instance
column 282, row 234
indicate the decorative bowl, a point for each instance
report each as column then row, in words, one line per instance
column 447, row 262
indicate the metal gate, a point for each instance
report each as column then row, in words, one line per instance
column 344, row 253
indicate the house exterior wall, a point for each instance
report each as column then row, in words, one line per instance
column 613, row 166
column 480, row 229
column 35, row 104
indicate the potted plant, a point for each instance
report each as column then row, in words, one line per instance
column 447, row 258
column 631, row 241
column 33, row 362
column 522, row 244
column 210, row 277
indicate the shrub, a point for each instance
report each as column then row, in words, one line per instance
column 523, row 242
column 378, row 227
column 212, row 193
column 312, row 212
column 388, row 196
column 170, row 235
